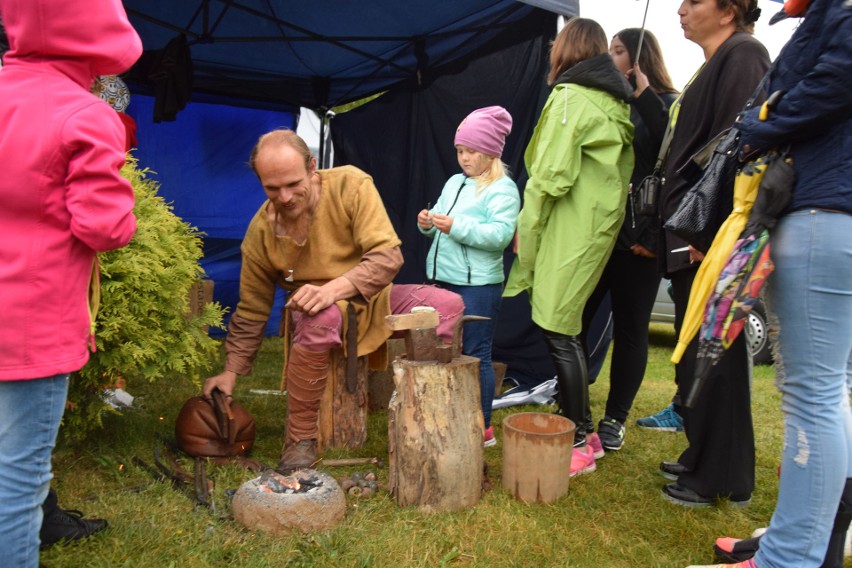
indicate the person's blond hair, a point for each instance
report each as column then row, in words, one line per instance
column 497, row 170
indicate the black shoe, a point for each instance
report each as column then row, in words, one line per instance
column 672, row 470
column 611, row 433
column 681, row 495
column 67, row 525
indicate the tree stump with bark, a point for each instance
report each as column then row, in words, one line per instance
column 342, row 416
column 435, row 430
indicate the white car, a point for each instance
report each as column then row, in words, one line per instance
column 756, row 331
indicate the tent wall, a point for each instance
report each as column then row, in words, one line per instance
column 404, row 139
column 201, row 162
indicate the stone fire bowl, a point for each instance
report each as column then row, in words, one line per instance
column 319, row 509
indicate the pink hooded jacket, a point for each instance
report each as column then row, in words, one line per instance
column 61, row 196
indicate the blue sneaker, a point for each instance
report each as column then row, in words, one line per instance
column 666, row 420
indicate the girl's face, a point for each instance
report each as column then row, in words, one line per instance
column 620, row 56
column 702, row 20
column 472, row 163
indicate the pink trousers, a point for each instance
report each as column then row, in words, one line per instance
column 323, row 331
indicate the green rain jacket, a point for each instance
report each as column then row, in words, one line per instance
column 579, row 162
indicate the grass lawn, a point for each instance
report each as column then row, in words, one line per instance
column 613, row 518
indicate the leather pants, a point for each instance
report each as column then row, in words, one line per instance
column 572, row 378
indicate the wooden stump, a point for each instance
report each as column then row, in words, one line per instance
column 380, row 383
column 435, row 434
column 342, row 416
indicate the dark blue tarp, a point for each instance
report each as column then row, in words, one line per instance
column 201, row 164
column 320, row 53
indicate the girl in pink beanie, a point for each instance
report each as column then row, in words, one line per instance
column 472, row 222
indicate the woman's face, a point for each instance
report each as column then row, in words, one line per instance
column 620, row 56
column 702, row 20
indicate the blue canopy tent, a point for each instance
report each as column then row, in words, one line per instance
column 247, row 65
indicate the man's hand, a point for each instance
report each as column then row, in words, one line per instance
column 424, row 220
column 224, row 381
column 443, row 223
column 313, row 299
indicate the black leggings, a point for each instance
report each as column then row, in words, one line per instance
column 572, row 378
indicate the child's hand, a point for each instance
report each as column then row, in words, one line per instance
column 424, row 220
column 442, row 223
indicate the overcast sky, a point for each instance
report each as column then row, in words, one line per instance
column 682, row 56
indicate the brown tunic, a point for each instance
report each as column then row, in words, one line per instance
column 350, row 235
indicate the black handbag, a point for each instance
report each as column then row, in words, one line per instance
column 707, row 203
column 645, row 198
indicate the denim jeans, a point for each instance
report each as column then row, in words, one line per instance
column 810, row 293
column 478, row 336
column 30, row 412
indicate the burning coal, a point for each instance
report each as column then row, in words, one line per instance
column 299, row 482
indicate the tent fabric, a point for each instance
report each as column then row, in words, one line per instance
column 404, row 139
column 201, row 164
column 316, row 54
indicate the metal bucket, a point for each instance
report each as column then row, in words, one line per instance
column 537, row 456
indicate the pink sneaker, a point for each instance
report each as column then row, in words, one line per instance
column 489, row 439
column 582, row 461
column 594, row 441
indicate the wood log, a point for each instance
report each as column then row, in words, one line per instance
column 435, row 429
column 342, row 416
column 380, row 383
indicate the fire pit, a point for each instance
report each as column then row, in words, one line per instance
column 306, row 501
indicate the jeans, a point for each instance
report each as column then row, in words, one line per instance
column 30, row 412
column 478, row 336
column 810, row 293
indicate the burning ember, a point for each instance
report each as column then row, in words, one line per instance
column 299, row 482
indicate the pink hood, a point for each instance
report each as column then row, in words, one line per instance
column 62, row 197
column 84, row 38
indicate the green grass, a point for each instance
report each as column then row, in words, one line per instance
column 613, row 518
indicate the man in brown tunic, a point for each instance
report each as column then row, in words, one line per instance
column 325, row 237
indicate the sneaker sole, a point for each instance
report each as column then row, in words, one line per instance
column 600, row 454
column 667, row 475
column 611, row 448
column 489, row 443
column 661, row 428
column 694, row 505
column 584, row 471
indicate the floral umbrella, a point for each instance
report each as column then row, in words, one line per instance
column 727, row 310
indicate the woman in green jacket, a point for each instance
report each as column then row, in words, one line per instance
column 579, row 162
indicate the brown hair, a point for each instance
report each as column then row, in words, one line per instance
column 281, row 137
column 579, row 39
column 650, row 59
column 746, row 13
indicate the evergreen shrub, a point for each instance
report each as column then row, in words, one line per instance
column 143, row 327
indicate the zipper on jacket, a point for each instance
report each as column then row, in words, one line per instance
column 438, row 236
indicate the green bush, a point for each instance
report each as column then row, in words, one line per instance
column 143, row 330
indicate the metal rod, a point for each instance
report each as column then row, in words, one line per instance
column 641, row 33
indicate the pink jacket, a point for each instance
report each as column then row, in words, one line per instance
column 61, row 196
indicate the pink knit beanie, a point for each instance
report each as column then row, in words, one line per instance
column 485, row 130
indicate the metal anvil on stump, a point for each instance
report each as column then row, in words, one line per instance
column 435, row 423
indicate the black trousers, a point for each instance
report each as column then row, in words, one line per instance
column 632, row 282
column 720, row 456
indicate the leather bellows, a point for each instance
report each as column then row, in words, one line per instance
column 216, row 427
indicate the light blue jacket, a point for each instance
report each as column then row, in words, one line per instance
column 483, row 225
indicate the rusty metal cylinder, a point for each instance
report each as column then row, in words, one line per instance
column 537, row 456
